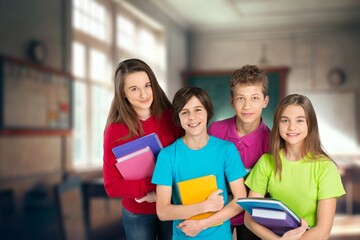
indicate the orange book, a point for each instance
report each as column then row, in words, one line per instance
column 197, row 190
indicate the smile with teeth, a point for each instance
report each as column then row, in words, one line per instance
column 293, row 134
column 194, row 124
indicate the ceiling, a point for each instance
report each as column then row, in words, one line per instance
column 227, row 15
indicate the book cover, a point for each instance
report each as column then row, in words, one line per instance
column 197, row 190
column 277, row 221
column 137, row 165
column 271, row 213
column 151, row 140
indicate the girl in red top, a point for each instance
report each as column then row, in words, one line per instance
column 139, row 107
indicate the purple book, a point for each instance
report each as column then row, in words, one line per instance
column 151, row 140
column 271, row 213
column 277, row 221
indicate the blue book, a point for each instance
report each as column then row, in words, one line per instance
column 151, row 140
column 271, row 213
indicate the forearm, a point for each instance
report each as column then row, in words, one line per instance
column 230, row 210
column 175, row 212
column 325, row 217
column 315, row 233
column 259, row 230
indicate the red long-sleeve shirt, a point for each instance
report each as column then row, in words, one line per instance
column 115, row 185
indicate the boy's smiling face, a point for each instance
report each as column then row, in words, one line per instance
column 248, row 102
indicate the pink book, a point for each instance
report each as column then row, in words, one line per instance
column 137, row 165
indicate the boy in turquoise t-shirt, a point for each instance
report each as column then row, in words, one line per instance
column 195, row 155
column 247, row 130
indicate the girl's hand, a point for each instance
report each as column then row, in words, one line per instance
column 190, row 228
column 150, row 197
column 215, row 201
column 296, row 233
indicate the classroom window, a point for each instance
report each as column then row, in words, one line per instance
column 105, row 33
column 90, row 17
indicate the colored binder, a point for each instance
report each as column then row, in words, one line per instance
column 137, row 165
column 197, row 190
column 271, row 213
column 151, row 140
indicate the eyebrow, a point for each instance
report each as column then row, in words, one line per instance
column 198, row 106
column 137, row 86
column 295, row 117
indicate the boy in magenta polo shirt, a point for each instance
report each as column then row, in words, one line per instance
column 247, row 130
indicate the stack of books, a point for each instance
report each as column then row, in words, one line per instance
column 136, row 159
column 271, row 213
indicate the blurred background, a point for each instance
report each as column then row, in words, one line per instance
column 57, row 61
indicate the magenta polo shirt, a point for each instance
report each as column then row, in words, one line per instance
column 250, row 147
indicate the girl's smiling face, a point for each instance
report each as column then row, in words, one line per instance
column 293, row 126
column 138, row 91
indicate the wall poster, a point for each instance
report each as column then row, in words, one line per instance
column 33, row 97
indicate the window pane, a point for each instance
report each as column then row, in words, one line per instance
column 99, row 66
column 78, row 59
column 147, row 44
column 100, row 108
column 80, row 125
column 90, row 17
column 126, row 33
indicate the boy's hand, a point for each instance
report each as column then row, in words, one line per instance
column 190, row 228
column 215, row 201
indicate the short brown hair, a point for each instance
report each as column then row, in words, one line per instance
column 182, row 97
column 249, row 75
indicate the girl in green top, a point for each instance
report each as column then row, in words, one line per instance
column 298, row 172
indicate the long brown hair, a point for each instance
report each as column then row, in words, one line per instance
column 121, row 111
column 312, row 146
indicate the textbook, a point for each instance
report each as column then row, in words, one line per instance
column 271, row 213
column 197, row 190
column 137, row 165
column 151, row 140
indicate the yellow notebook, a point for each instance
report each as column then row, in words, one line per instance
column 197, row 190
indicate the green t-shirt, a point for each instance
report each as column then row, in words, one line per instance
column 303, row 183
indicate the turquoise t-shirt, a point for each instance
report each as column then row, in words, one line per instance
column 303, row 183
column 177, row 163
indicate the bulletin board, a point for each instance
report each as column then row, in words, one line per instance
column 217, row 84
column 33, row 97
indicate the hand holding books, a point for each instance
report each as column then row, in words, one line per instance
column 199, row 189
column 136, row 159
column 271, row 213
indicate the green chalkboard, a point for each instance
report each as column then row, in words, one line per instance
column 217, row 84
